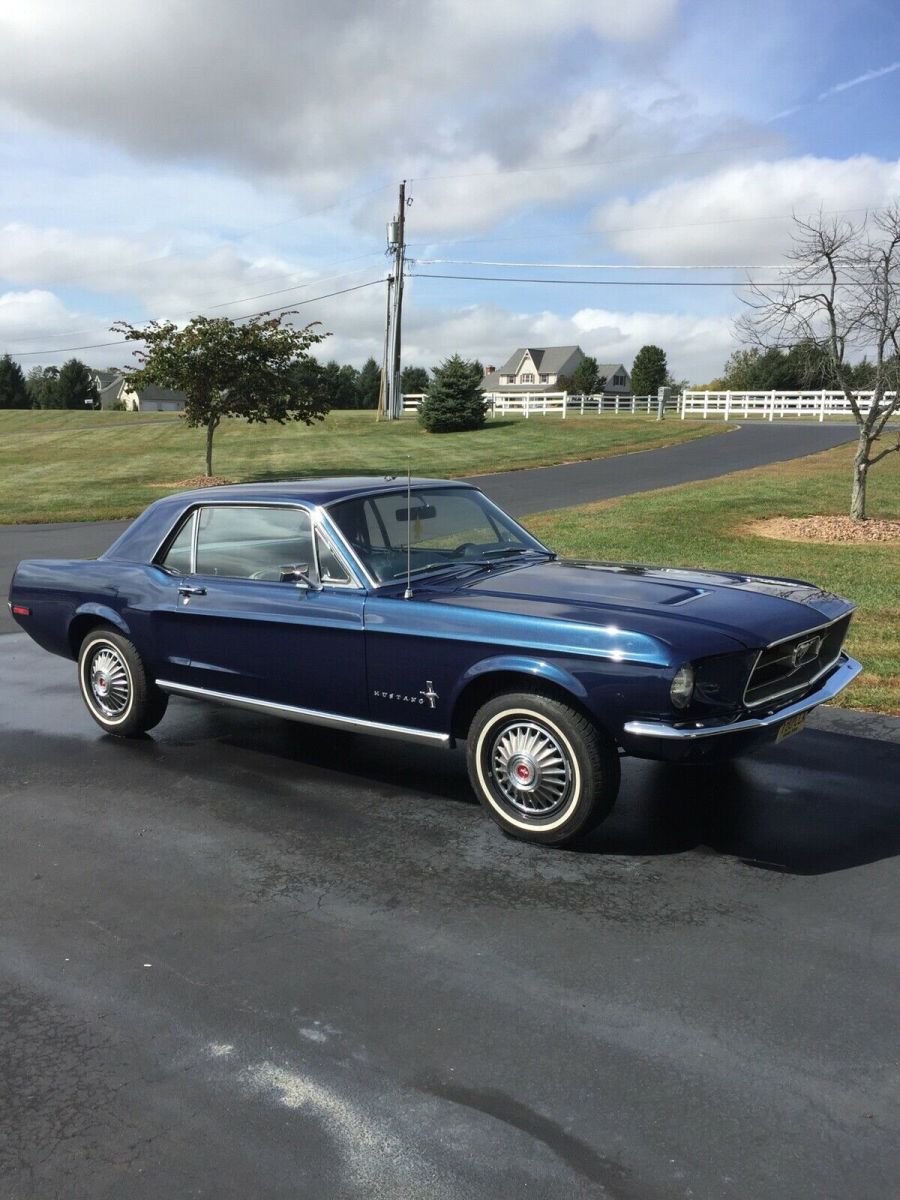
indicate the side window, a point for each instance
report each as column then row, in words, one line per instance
column 178, row 556
column 331, row 569
column 253, row 543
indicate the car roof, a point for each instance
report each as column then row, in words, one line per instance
column 141, row 540
column 316, row 491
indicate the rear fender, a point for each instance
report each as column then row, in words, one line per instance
column 88, row 615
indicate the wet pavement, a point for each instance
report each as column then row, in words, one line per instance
column 244, row 958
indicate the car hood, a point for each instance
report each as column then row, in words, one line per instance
column 752, row 610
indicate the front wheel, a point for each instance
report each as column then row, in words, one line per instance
column 542, row 770
column 115, row 686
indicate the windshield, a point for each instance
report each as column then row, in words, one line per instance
column 444, row 527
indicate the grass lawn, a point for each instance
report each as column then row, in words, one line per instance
column 703, row 525
column 85, row 466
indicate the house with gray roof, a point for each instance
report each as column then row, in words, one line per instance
column 116, row 391
column 540, row 368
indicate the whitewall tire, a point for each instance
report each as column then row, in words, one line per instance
column 541, row 769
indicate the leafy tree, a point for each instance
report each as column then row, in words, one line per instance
column 75, row 387
column 41, row 385
column 368, row 385
column 13, row 392
column 454, row 400
column 586, row 378
column 414, row 380
column 228, row 369
column 648, row 374
column 841, row 297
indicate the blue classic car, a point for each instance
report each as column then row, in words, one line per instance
column 416, row 609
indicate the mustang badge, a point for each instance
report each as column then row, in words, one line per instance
column 427, row 695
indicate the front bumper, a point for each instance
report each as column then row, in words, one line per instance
column 659, row 739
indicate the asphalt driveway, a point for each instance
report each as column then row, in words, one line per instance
column 241, row 958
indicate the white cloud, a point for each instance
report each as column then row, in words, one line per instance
column 291, row 88
column 38, row 318
column 166, row 280
column 725, row 216
column 697, row 346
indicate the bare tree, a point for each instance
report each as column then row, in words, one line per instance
column 839, row 299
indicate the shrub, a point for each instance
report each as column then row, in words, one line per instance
column 454, row 400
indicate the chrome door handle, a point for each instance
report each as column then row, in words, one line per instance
column 192, row 591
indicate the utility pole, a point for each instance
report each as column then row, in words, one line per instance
column 393, row 406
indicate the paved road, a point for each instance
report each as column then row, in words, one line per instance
column 519, row 492
column 523, row 492
column 242, row 958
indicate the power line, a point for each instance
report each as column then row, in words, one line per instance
column 246, row 317
column 562, row 266
column 318, row 279
column 639, row 282
column 238, row 237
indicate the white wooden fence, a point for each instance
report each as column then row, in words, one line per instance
column 768, row 406
column 556, row 403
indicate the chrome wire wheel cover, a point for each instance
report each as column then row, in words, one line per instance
column 530, row 768
column 109, row 682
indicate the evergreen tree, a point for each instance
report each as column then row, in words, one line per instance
column 586, row 378
column 75, row 387
column 649, row 372
column 454, row 400
column 340, row 384
column 368, row 385
column 13, row 392
column 414, row 380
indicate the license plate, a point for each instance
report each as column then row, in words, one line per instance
column 792, row 725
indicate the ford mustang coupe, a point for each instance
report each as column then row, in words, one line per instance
column 417, row 609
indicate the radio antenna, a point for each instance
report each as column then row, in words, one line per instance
column 407, row 595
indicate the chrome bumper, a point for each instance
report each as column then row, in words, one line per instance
column 844, row 673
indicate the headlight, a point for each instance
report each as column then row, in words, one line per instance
column 682, row 689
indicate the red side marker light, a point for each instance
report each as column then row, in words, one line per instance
column 20, row 610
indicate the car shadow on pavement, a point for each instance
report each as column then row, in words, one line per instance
column 826, row 803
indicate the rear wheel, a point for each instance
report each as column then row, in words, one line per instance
column 542, row 770
column 115, row 686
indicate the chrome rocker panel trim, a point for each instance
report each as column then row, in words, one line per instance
column 846, row 672
column 309, row 716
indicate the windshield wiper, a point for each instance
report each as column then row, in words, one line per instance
column 507, row 550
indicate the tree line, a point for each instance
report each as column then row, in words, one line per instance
column 69, row 386
column 72, row 385
column 802, row 367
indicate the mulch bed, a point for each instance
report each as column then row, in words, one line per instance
column 197, row 481
column 836, row 530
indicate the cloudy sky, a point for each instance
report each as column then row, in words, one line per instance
column 164, row 159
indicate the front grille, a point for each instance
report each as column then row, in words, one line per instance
column 795, row 664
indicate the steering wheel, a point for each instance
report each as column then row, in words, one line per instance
column 463, row 548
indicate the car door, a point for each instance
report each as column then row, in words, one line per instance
column 252, row 614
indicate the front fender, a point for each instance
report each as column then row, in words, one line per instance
column 520, row 664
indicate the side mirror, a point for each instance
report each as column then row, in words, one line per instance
column 299, row 575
